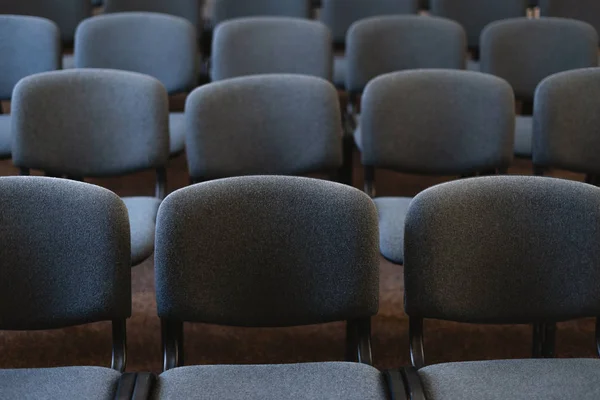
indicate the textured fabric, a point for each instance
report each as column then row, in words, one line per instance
column 267, row 251
column 566, row 121
column 332, row 380
column 513, row 379
column 176, row 132
column 67, row 14
column 265, row 45
column 380, row 45
column 73, row 383
column 68, row 61
column 65, row 254
column 473, row 65
column 392, row 214
column 242, row 127
column 525, row 51
column 474, row 15
column 5, row 136
column 230, row 9
column 583, row 10
column 159, row 45
column 340, row 65
column 90, row 122
column 28, row 45
column 339, row 15
column 523, row 136
column 503, row 250
column 142, row 221
column 188, row 9
column 411, row 121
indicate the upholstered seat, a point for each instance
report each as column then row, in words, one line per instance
column 392, row 215
column 523, row 136
column 5, row 137
column 176, row 133
column 142, row 220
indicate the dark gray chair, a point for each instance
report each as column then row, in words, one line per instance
column 436, row 122
column 159, row 45
column 230, row 9
column 188, row 9
column 64, row 261
column 525, row 51
column 96, row 123
column 268, row 252
column 583, row 10
column 539, row 264
column 28, row 45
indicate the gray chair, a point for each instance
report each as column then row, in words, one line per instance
column 261, row 45
column 231, row 9
column 583, row 10
column 96, row 123
column 263, row 124
column 525, row 51
column 28, row 45
column 268, row 252
column 159, row 45
column 540, row 264
column 188, row 9
column 64, row 262
column 435, row 122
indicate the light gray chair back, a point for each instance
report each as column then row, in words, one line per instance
column 159, row 45
column 437, row 122
column 583, row 10
column 264, row 124
column 28, row 45
column 525, row 51
column 84, row 123
column 265, row 45
column 379, row 45
column 229, row 9
column 188, row 9
column 474, row 15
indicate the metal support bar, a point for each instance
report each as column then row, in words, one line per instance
column 172, row 339
column 544, row 339
column 415, row 333
column 370, row 181
column 24, row 171
column 358, row 341
column 119, row 347
column 161, row 182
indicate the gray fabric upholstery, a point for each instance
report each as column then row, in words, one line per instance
column 159, row 45
column 503, row 250
column 411, row 121
column 267, row 251
column 28, row 45
column 340, row 65
column 176, row 132
column 266, row 124
column 65, row 254
column 473, row 65
column 525, row 51
column 265, row 45
column 68, row 61
column 339, row 15
column 90, row 122
column 67, row 14
column 583, row 10
column 392, row 214
column 379, row 45
column 566, row 121
column 332, row 380
column 74, row 383
column 523, row 136
column 5, row 136
column 230, row 9
column 188, row 9
column 513, row 379
column 474, row 15
column 142, row 221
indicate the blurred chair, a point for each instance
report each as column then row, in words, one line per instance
column 230, row 9
column 583, row 10
column 188, row 9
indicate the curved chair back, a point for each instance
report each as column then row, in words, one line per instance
column 188, row 9
column 230, row 9
column 380, row 45
column 583, row 10
column 266, row 45
column 525, row 51
column 159, row 45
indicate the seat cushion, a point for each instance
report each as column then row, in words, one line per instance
column 473, row 65
column 176, row 133
column 523, row 136
column 348, row 381
column 5, row 137
column 142, row 220
column 68, row 61
column 358, row 138
column 89, row 383
column 339, row 71
column 513, row 379
column 392, row 216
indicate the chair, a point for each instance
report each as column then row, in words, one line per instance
column 188, row 9
column 540, row 264
column 64, row 261
column 159, row 45
column 583, row 10
column 231, row 9
column 261, row 45
column 28, row 45
column 525, row 51
column 412, row 122
column 96, row 123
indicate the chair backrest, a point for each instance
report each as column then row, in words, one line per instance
column 188, row 9
column 28, row 45
column 65, row 257
column 67, row 14
column 159, row 45
column 267, row 251
column 264, row 124
column 566, row 121
column 380, row 45
column 474, row 15
column 583, row 10
column 230, row 9
column 339, row 15
column 437, row 122
column 265, row 45
column 90, row 123
column 525, row 51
